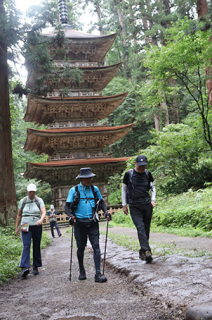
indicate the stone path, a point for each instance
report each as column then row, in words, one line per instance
column 178, row 278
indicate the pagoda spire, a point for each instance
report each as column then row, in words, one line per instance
column 63, row 13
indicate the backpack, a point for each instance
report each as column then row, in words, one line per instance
column 25, row 201
column 97, row 201
column 77, row 197
column 147, row 175
column 130, row 181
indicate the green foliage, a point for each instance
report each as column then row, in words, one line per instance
column 9, row 25
column 188, row 214
column 40, row 62
column 189, row 210
column 129, row 111
column 187, row 53
column 114, row 189
column 179, row 158
column 122, row 219
column 10, row 251
column 20, row 157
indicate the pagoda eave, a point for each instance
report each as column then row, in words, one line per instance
column 62, row 172
column 79, row 35
column 42, row 110
column 94, row 78
column 81, row 138
column 87, row 47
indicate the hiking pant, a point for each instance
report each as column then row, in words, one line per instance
column 141, row 215
column 34, row 234
column 82, row 231
column 52, row 225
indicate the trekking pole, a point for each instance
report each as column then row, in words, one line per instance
column 105, row 247
column 72, row 233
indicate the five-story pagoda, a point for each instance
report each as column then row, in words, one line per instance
column 73, row 138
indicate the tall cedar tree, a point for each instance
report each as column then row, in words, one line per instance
column 8, row 202
column 202, row 10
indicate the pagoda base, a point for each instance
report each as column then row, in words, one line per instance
column 59, row 195
column 61, row 175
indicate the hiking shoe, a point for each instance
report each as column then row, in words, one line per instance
column 35, row 271
column 24, row 273
column 82, row 275
column 100, row 278
column 142, row 255
column 148, row 257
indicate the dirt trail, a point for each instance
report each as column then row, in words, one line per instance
column 181, row 271
column 51, row 295
column 187, row 243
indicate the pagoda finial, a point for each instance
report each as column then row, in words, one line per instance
column 63, row 12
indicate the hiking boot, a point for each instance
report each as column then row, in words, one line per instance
column 142, row 255
column 24, row 273
column 100, row 278
column 35, row 271
column 148, row 257
column 82, row 275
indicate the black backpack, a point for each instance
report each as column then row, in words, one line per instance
column 147, row 175
column 130, row 180
column 77, row 197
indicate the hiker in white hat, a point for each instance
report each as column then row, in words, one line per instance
column 31, row 213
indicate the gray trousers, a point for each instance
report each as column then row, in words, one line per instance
column 52, row 225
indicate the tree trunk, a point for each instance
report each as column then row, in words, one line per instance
column 174, row 109
column 101, row 30
column 209, row 82
column 202, row 10
column 157, row 123
column 99, row 13
column 122, row 26
column 124, row 42
column 8, row 202
column 154, row 39
column 166, row 111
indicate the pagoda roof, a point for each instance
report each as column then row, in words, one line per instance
column 47, row 110
column 94, row 78
column 93, row 48
column 79, row 162
column 65, row 172
column 75, row 34
column 74, row 138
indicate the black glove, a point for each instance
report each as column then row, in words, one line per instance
column 71, row 220
column 108, row 215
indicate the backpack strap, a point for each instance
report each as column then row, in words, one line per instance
column 37, row 202
column 94, row 193
column 130, row 175
column 147, row 175
column 25, row 201
column 77, row 196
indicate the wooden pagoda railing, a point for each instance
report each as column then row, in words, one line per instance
column 62, row 219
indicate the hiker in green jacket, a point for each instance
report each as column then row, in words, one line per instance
column 31, row 213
